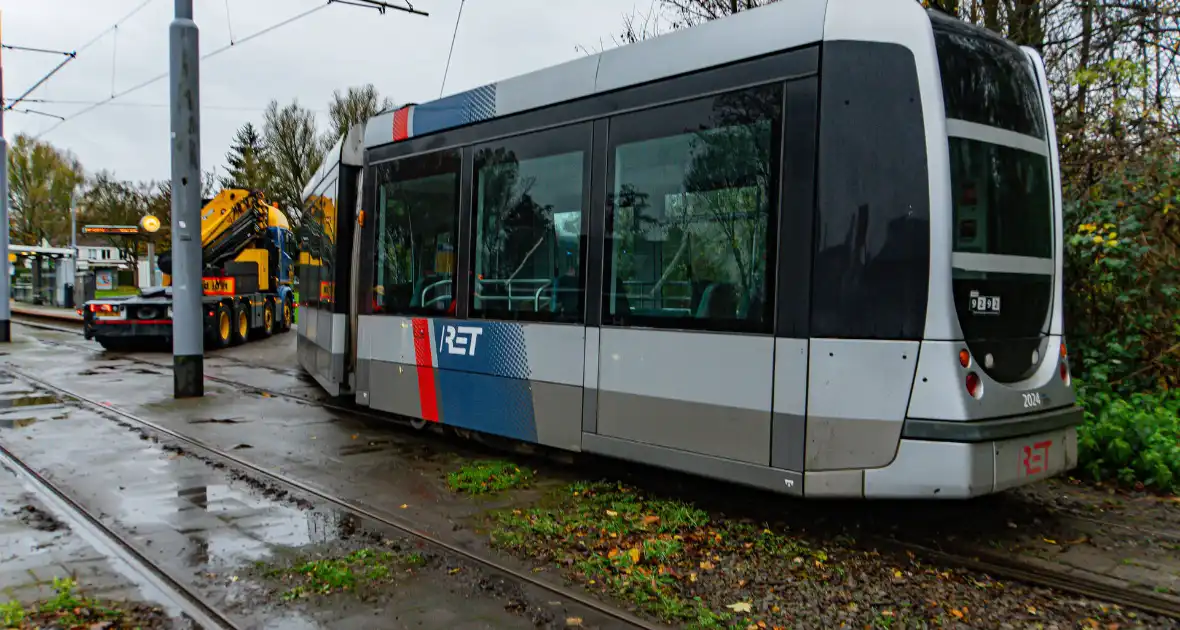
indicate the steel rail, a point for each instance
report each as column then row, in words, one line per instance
column 85, row 523
column 974, row 559
column 1014, row 569
column 373, row 514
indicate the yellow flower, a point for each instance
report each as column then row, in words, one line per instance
column 1097, row 239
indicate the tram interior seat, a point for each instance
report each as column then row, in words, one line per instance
column 716, row 300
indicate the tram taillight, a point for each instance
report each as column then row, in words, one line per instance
column 974, row 385
column 964, row 358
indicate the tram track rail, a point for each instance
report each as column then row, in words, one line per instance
column 375, row 515
column 112, row 544
column 995, row 564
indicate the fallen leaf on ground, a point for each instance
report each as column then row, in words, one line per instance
column 573, row 621
column 739, row 607
column 634, row 555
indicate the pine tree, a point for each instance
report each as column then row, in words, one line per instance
column 249, row 165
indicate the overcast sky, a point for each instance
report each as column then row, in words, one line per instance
column 402, row 55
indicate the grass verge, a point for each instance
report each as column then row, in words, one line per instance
column 69, row 609
column 488, row 477
column 353, row 572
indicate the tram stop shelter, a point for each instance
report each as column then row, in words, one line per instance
column 41, row 275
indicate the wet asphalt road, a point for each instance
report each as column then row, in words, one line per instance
column 211, row 525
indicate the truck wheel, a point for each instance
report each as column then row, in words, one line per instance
column 288, row 314
column 222, row 327
column 269, row 324
column 241, row 322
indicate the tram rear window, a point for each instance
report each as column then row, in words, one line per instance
column 1001, row 200
column 986, row 80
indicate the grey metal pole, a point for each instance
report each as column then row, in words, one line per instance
column 5, row 290
column 74, row 239
column 151, row 262
column 188, row 367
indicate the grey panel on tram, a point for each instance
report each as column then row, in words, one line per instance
column 590, row 381
column 786, row 481
column 697, row 392
column 789, row 429
column 857, row 396
column 558, row 412
column 394, row 388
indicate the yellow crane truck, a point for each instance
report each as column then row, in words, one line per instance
column 248, row 265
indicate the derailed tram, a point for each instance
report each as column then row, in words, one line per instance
column 813, row 247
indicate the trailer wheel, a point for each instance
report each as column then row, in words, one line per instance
column 269, row 324
column 288, row 314
column 241, row 322
column 222, row 327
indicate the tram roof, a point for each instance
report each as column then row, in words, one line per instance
column 767, row 29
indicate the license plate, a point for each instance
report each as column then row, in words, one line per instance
column 109, row 315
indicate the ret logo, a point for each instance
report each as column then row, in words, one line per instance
column 460, row 339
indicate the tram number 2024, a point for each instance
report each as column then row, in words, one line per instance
column 1032, row 400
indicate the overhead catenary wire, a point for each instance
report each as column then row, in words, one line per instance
column 454, row 35
column 229, row 23
column 213, row 53
column 70, row 56
column 114, row 26
column 37, row 112
column 233, row 108
column 36, row 50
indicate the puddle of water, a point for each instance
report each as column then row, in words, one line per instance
column 28, row 401
column 20, row 411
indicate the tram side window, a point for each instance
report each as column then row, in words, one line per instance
column 317, row 247
column 528, row 195
column 690, row 227
column 416, row 234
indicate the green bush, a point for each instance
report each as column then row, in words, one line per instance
column 1122, row 301
column 1131, row 439
column 1122, row 264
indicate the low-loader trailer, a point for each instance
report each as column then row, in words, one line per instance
column 248, row 255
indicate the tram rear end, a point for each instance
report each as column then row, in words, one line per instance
column 992, row 405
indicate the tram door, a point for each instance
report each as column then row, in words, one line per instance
column 685, row 354
column 352, row 293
